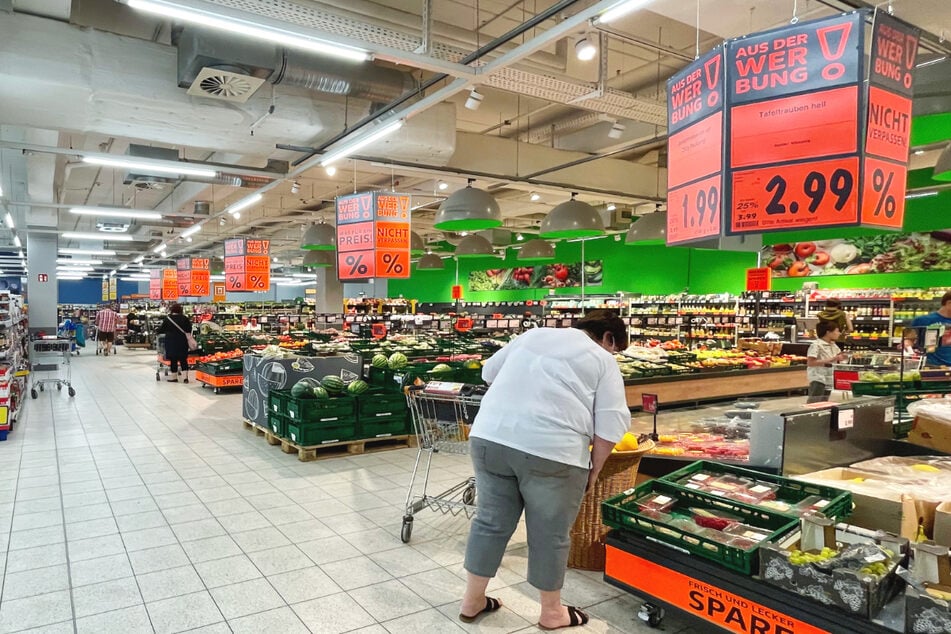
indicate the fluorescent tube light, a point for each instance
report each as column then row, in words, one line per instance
column 149, row 166
column 115, row 212
column 8, row 220
column 74, row 268
column 139, row 259
column 244, row 203
column 927, row 194
column 192, row 230
column 621, row 9
column 161, row 247
column 123, row 267
column 349, row 148
column 133, row 279
column 305, row 275
column 217, row 278
column 112, row 273
column 17, row 241
column 87, row 252
column 68, row 261
column 284, row 37
column 74, row 278
column 21, row 254
column 72, row 235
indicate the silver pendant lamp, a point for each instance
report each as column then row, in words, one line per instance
column 319, row 259
column 648, row 229
column 429, row 262
column 572, row 219
column 319, row 237
column 474, row 246
column 537, row 251
column 468, row 209
column 416, row 244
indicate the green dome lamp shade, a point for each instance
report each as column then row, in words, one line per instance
column 468, row 209
column 429, row 262
column 319, row 237
column 942, row 169
column 474, row 246
column 319, row 259
column 648, row 229
column 537, row 251
column 571, row 219
column 416, row 244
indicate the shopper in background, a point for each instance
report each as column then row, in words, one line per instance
column 834, row 313
column 106, row 329
column 942, row 316
column 909, row 339
column 174, row 327
column 553, row 394
column 819, row 359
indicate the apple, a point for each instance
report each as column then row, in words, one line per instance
column 798, row 269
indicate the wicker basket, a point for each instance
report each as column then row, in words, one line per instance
column 587, row 534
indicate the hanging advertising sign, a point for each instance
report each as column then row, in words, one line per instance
column 888, row 131
column 373, row 236
column 169, row 284
column 193, row 277
column 105, row 289
column 184, row 277
column 218, row 292
column 155, row 284
column 760, row 279
column 247, row 265
column 695, row 150
column 113, row 288
column 793, row 126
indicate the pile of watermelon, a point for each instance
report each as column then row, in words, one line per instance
column 327, row 387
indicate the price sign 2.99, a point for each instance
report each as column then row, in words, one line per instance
column 824, row 193
column 697, row 207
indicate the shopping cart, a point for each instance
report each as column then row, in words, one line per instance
column 160, row 348
column 51, row 357
column 442, row 415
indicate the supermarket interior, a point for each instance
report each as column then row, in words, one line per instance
column 261, row 264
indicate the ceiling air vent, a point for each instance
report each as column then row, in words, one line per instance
column 112, row 227
column 202, row 207
column 224, row 85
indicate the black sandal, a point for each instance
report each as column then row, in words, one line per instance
column 491, row 605
column 575, row 618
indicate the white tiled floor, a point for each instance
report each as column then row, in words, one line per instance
column 143, row 506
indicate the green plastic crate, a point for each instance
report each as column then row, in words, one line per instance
column 277, row 401
column 621, row 512
column 839, row 502
column 382, row 426
column 278, row 424
column 379, row 401
column 384, row 378
column 330, row 410
column 310, row 434
column 882, row 388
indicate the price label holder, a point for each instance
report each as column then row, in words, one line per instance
column 842, row 419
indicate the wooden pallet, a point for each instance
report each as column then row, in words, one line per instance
column 352, row 447
column 269, row 436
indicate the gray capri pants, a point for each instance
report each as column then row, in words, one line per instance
column 508, row 481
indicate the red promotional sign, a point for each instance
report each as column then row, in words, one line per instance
column 695, row 150
column 794, row 105
column 888, row 129
column 155, row 285
column 649, row 403
column 759, row 279
column 373, row 236
column 247, row 266
column 169, row 284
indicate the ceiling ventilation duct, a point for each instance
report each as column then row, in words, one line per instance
column 202, row 208
column 219, row 67
column 148, row 181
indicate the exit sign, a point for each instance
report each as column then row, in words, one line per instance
column 42, row 277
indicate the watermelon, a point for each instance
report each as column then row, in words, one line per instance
column 397, row 361
column 442, row 367
column 473, row 365
column 304, row 388
column 358, row 387
column 333, row 384
column 379, row 361
column 320, row 393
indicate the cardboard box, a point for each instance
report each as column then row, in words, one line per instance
column 942, row 524
column 930, row 432
column 875, row 507
column 925, row 612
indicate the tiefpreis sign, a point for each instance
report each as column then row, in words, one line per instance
column 373, row 236
column 805, row 142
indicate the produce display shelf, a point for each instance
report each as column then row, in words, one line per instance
column 716, row 385
column 710, row 595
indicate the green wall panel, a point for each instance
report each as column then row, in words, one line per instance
column 923, row 279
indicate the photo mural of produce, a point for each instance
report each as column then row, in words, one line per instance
column 887, row 253
column 541, row 276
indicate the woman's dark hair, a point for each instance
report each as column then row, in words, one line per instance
column 600, row 321
column 833, row 303
column 825, row 327
column 175, row 309
column 946, row 298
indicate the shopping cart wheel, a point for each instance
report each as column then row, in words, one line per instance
column 157, row 376
column 72, row 392
column 652, row 614
column 407, row 530
column 42, row 389
column 33, row 393
column 468, row 496
column 59, row 387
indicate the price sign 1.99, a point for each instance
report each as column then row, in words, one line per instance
column 693, row 211
column 815, row 194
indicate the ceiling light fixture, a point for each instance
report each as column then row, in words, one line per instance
column 417, row 246
column 585, row 50
column 474, row 246
column 611, row 207
column 295, row 187
column 534, row 197
column 331, row 171
column 519, row 237
column 537, row 251
column 87, row 252
column 921, row 194
column 442, row 186
column 319, row 259
column 244, row 203
column 139, row 259
column 919, row 152
column 474, row 100
column 319, row 237
column 160, row 247
column 430, row 262
column 70, row 278
column 572, row 219
column 621, row 9
column 74, row 235
column 192, row 230
column 146, row 166
column 20, row 253
column 617, row 129
column 942, row 168
column 648, row 229
column 236, row 215
column 8, row 220
column 17, row 241
column 77, row 262
column 468, row 209
column 284, row 37
column 349, row 148
column 113, row 212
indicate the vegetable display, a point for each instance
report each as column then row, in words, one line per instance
column 559, row 275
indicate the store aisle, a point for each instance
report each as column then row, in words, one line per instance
column 143, row 506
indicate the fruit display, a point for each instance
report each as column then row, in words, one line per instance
column 333, row 384
column 220, row 356
column 357, row 387
column 702, row 445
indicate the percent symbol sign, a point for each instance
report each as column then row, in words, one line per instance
column 392, row 262
column 881, row 185
column 355, row 262
column 257, row 281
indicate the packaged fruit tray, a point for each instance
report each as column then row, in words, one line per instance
column 724, row 531
column 772, row 493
